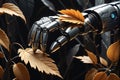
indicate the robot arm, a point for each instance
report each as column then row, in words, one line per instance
column 38, row 34
column 103, row 17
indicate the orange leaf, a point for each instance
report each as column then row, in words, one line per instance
column 21, row 72
column 92, row 56
column 90, row 74
column 100, row 76
column 39, row 60
column 113, row 76
column 1, row 72
column 4, row 40
column 1, row 55
column 103, row 61
column 113, row 51
column 11, row 9
column 85, row 59
column 72, row 16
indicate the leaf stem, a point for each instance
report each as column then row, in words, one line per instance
column 14, row 58
column 3, row 54
column 18, row 44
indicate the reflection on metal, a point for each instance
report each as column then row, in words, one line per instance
column 106, row 41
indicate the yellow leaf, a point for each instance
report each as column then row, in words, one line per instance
column 39, row 60
column 100, row 76
column 85, row 59
column 113, row 76
column 90, row 74
column 4, row 40
column 113, row 51
column 1, row 55
column 1, row 72
column 11, row 9
column 92, row 56
column 72, row 16
column 103, row 61
column 21, row 72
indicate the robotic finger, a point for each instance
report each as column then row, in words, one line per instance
column 38, row 34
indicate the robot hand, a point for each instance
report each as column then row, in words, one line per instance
column 38, row 34
column 103, row 18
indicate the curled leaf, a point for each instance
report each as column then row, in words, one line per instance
column 92, row 56
column 21, row 72
column 72, row 16
column 39, row 60
column 1, row 72
column 100, row 76
column 103, row 61
column 90, row 74
column 85, row 59
column 113, row 51
column 11, row 9
column 4, row 40
column 113, row 76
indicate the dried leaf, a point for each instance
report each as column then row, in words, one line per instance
column 4, row 40
column 90, row 74
column 1, row 55
column 113, row 51
column 72, row 16
column 92, row 56
column 100, row 76
column 1, row 72
column 39, row 60
column 113, row 76
column 103, row 61
column 85, row 59
column 11, row 9
column 21, row 72
column 70, row 20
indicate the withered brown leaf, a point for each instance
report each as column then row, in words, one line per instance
column 1, row 72
column 113, row 76
column 103, row 61
column 100, row 76
column 84, row 59
column 12, row 9
column 39, row 60
column 92, row 56
column 4, row 40
column 90, row 74
column 21, row 72
column 113, row 51
column 72, row 16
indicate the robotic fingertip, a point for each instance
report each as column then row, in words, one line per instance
column 54, row 47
